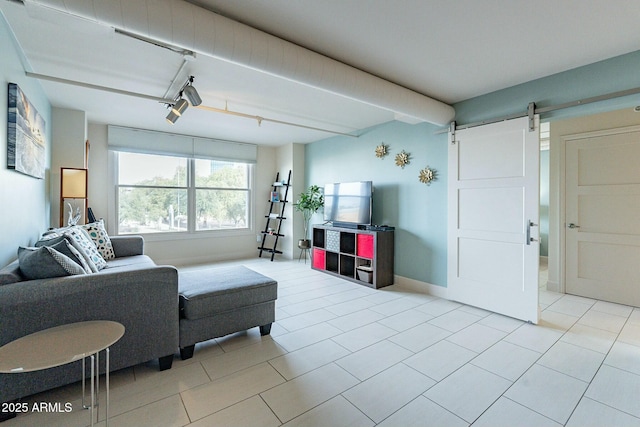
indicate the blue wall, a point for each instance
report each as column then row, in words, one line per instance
column 25, row 212
column 419, row 212
column 600, row 78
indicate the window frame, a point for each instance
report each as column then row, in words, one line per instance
column 191, row 232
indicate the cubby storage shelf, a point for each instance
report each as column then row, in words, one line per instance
column 362, row 256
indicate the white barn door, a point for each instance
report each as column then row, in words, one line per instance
column 493, row 233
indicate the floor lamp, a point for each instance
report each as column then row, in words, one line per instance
column 73, row 192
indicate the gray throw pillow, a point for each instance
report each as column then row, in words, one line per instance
column 45, row 262
column 62, row 245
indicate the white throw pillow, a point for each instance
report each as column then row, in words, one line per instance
column 83, row 243
column 100, row 238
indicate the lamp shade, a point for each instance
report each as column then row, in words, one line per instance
column 73, row 183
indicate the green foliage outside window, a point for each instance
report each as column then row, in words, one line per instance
column 157, row 204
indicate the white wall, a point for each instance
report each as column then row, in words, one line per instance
column 284, row 162
column 98, row 172
column 288, row 157
column 297, row 180
column 24, row 214
column 69, row 133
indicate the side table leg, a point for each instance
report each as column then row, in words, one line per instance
column 84, row 380
column 93, row 388
column 97, row 386
column 107, row 385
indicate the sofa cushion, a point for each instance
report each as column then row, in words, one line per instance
column 206, row 292
column 45, row 262
column 137, row 261
column 100, row 238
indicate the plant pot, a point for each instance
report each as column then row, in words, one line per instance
column 304, row 243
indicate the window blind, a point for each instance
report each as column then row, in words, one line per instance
column 168, row 144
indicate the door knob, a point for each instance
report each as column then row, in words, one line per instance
column 572, row 225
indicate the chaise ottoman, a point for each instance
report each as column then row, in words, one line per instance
column 216, row 302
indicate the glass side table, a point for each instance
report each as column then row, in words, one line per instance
column 65, row 344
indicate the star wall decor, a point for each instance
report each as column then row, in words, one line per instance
column 427, row 175
column 403, row 159
column 382, row 150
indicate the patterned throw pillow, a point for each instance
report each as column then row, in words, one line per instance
column 81, row 241
column 62, row 244
column 78, row 256
column 45, row 262
column 99, row 235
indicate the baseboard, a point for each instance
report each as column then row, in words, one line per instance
column 204, row 259
column 422, row 287
column 554, row 286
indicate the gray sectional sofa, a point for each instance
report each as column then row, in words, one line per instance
column 132, row 290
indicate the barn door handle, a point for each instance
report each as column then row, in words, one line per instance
column 529, row 238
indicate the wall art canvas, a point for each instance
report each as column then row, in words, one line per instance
column 25, row 135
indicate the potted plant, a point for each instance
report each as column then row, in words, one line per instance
column 308, row 203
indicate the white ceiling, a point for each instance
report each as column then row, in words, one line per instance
column 447, row 50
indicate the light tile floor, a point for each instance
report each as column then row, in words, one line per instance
column 342, row 354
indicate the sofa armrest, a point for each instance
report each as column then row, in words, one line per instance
column 127, row 245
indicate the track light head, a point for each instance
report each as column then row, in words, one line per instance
column 192, row 95
column 179, row 107
column 172, row 117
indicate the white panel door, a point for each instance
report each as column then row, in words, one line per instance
column 493, row 249
column 602, row 231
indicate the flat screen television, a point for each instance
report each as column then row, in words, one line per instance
column 348, row 203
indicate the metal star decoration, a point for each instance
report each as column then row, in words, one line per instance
column 402, row 159
column 382, row 150
column 427, row 175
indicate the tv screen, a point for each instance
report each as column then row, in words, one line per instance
column 348, row 202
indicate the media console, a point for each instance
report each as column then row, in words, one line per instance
column 362, row 256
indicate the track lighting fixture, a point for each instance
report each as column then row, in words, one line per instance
column 181, row 104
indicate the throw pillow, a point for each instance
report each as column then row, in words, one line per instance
column 78, row 256
column 61, row 244
column 49, row 239
column 81, row 241
column 45, row 262
column 99, row 235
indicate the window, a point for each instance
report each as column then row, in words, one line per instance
column 222, row 195
column 159, row 194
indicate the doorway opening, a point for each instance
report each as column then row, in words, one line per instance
column 588, row 205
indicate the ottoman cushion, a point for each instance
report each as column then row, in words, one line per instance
column 204, row 293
